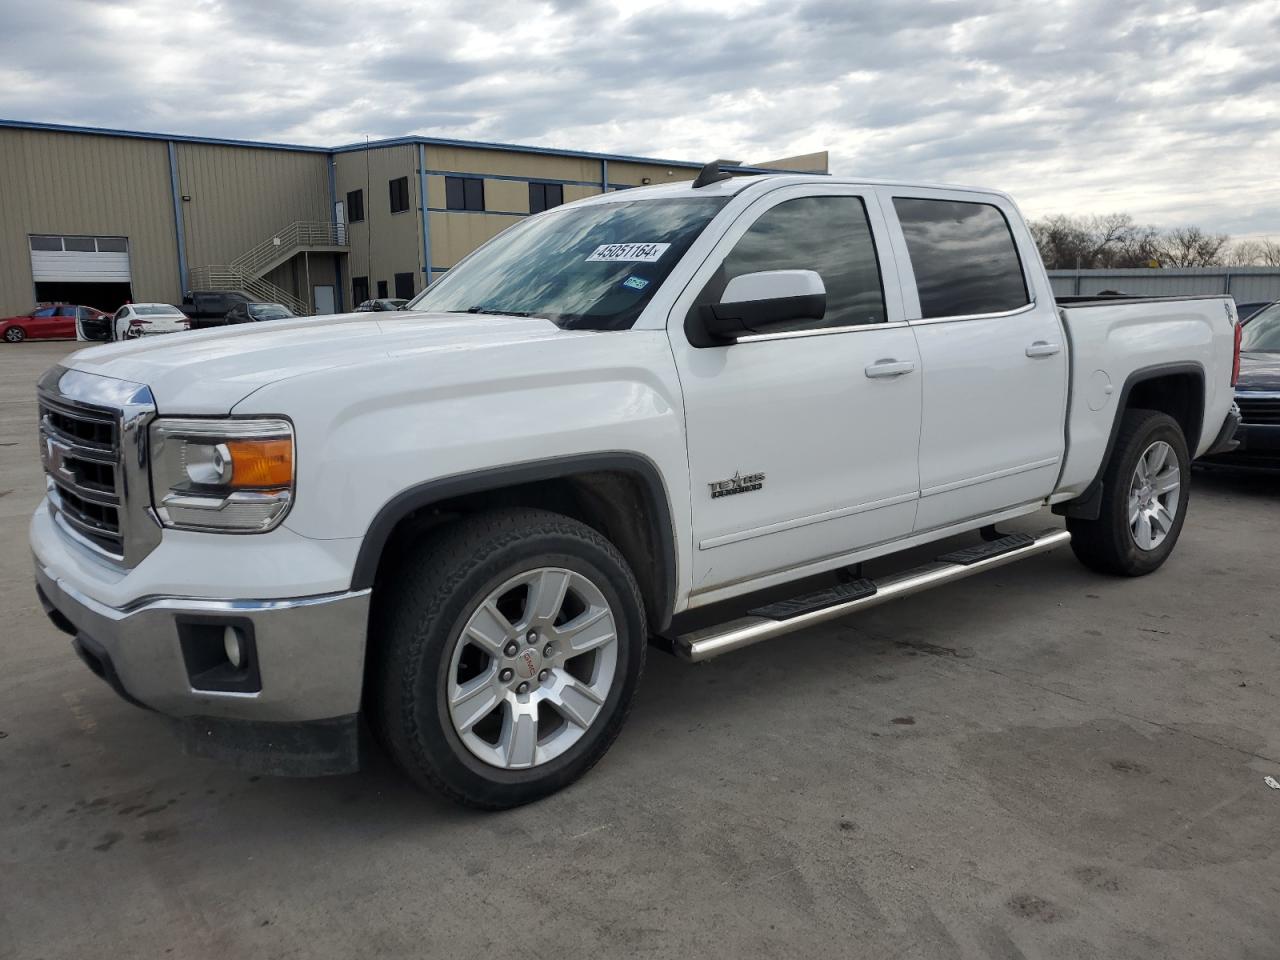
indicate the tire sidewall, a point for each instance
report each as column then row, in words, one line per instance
column 443, row 747
column 1160, row 427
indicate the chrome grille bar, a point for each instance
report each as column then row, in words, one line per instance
column 93, row 447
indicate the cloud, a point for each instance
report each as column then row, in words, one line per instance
column 1167, row 109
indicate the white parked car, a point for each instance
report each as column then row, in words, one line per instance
column 466, row 523
column 144, row 319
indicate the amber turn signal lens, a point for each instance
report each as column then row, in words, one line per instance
column 261, row 463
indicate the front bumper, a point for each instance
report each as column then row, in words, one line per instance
column 290, row 709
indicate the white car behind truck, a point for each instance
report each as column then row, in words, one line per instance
column 464, row 522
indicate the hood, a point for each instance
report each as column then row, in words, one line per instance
column 1259, row 371
column 210, row 371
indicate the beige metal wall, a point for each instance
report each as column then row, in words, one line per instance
column 65, row 183
column 241, row 196
column 392, row 242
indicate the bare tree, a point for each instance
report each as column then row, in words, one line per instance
column 1115, row 241
column 1191, row 247
column 1253, row 253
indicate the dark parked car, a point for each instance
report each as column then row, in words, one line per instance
column 383, row 303
column 1246, row 310
column 253, row 312
column 208, row 308
column 1258, row 392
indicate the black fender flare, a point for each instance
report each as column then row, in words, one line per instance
column 1088, row 504
column 418, row 496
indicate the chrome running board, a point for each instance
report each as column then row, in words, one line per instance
column 711, row 642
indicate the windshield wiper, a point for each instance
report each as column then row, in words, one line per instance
column 495, row 311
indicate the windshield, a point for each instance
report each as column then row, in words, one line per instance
column 1262, row 332
column 272, row 311
column 590, row 268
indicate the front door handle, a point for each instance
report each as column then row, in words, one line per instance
column 889, row 368
column 1042, row 348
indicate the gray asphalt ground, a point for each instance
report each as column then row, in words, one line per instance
column 1040, row 762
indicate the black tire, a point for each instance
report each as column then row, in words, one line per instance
column 15, row 334
column 424, row 607
column 1107, row 544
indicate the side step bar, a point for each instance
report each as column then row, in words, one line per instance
column 777, row 619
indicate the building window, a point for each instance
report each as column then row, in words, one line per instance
column 382, row 289
column 463, row 193
column 79, row 244
column 112, row 245
column 359, row 290
column 544, row 196
column 355, row 208
column 399, row 194
column 404, row 286
column 46, row 243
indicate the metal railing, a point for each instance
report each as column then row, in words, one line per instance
column 297, row 236
column 231, row 277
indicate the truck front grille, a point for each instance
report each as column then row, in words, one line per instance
column 1259, row 410
column 80, row 448
column 93, row 444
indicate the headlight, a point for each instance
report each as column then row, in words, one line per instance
column 233, row 476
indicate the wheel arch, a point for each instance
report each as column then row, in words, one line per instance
column 1177, row 389
column 620, row 494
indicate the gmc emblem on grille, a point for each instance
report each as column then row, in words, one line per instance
column 56, row 462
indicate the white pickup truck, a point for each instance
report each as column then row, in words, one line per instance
column 464, row 522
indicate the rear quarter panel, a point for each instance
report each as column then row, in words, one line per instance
column 1113, row 342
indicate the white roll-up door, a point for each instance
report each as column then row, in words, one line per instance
column 79, row 259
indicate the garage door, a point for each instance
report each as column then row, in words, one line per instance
column 79, row 259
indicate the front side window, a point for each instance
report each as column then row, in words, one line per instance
column 591, row 267
column 829, row 235
column 963, row 256
column 45, row 312
column 1262, row 333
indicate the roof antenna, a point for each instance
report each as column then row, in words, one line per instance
column 711, row 173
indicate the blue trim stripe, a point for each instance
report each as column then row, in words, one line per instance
column 376, row 144
column 179, row 228
column 422, row 212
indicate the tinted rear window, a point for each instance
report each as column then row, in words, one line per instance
column 963, row 256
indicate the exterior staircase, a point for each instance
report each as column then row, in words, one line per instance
column 247, row 273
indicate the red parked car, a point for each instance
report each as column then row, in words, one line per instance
column 48, row 323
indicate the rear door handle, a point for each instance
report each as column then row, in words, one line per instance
column 1042, row 348
column 889, row 368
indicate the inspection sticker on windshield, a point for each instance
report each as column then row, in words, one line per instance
column 635, row 283
column 629, row 252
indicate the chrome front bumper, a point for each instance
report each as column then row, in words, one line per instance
column 309, row 650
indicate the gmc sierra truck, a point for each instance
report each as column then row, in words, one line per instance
column 463, row 523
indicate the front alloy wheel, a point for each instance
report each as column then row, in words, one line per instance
column 532, row 668
column 505, row 651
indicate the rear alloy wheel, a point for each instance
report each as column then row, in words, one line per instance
column 506, row 650
column 1144, row 498
column 15, row 335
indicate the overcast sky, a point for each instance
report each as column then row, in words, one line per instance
column 1168, row 110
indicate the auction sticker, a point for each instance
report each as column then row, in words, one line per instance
column 629, row 252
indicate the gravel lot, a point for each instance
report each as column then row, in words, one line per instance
column 1039, row 762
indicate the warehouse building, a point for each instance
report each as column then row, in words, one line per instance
column 98, row 217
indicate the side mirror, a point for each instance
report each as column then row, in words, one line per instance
column 764, row 302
